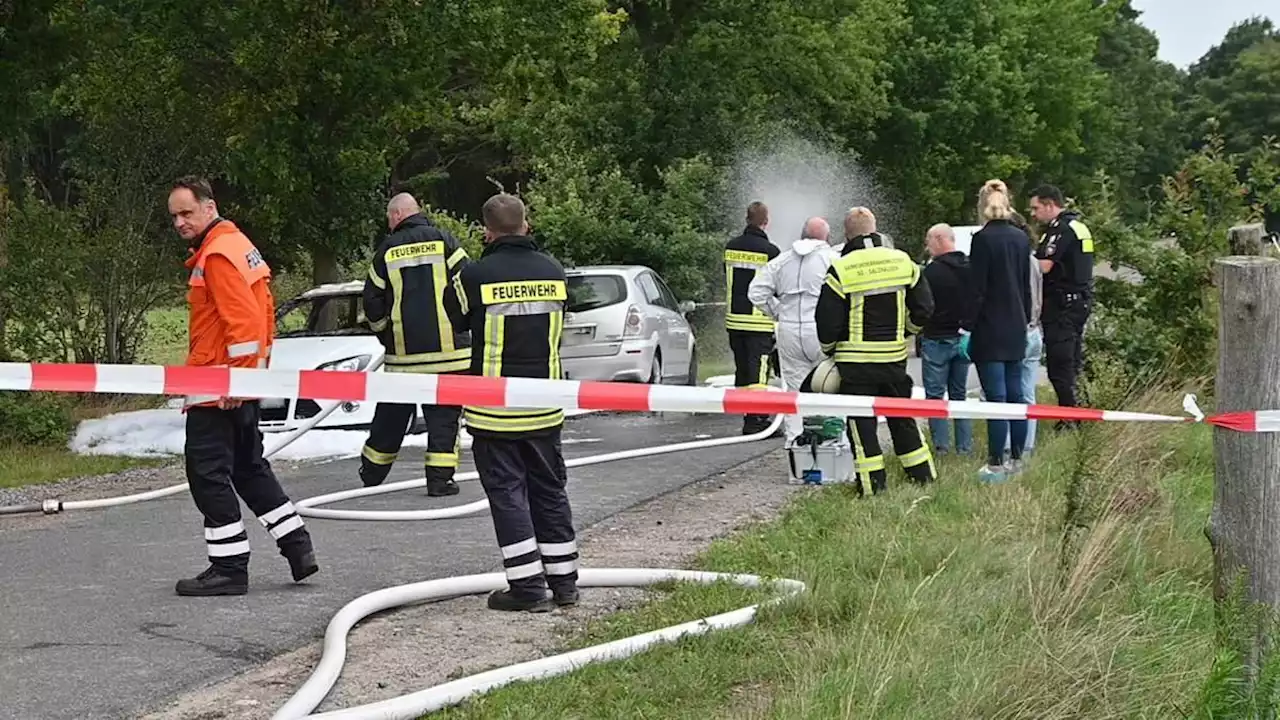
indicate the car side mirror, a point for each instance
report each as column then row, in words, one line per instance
column 687, row 307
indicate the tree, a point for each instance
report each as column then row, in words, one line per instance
column 976, row 95
column 1227, row 89
column 1135, row 133
column 1167, row 323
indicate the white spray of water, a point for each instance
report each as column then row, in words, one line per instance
column 799, row 179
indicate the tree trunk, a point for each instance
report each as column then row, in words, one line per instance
column 1245, row 239
column 5, row 209
column 324, row 270
column 1243, row 529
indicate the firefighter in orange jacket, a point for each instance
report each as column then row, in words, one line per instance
column 231, row 324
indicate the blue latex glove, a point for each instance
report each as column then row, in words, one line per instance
column 964, row 345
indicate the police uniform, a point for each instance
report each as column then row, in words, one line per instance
column 404, row 304
column 873, row 297
column 750, row 329
column 512, row 299
column 1068, row 299
column 231, row 323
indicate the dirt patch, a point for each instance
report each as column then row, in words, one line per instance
column 414, row 648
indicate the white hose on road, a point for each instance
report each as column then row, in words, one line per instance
column 308, row 507
column 414, row 705
column 54, row 506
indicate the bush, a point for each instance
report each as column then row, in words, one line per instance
column 1167, row 324
column 35, row 418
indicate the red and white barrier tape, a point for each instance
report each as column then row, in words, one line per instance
column 568, row 394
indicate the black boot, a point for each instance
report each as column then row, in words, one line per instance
column 214, row 581
column 565, row 596
column 440, row 482
column 371, row 475
column 506, row 601
column 302, row 564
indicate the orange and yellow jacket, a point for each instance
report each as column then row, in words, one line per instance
column 231, row 321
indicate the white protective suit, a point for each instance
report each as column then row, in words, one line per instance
column 786, row 289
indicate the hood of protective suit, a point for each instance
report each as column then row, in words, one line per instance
column 806, row 246
column 787, row 288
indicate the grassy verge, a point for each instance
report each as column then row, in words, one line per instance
column 28, row 465
column 1083, row 589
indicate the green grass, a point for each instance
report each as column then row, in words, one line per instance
column 27, row 465
column 165, row 342
column 955, row 601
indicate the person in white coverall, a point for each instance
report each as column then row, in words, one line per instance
column 786, row 289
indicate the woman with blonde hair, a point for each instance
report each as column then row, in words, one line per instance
column 997, row 322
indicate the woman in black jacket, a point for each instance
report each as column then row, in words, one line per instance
column 1000, row 276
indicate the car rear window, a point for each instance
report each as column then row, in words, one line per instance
column 591, row 292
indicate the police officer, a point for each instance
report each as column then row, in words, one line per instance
column 404, row 304
column 512, row 299
column 873, row 297
column 231, row 324
column 750, row 329
column 1066, row 259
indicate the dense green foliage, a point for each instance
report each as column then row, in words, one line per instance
column 34, row 419
column 619, row 120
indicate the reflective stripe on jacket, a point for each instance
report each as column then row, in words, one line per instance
column 404, row 299
column 231, row 320
column 744, row 256
column 512, row 300
column 873, row 297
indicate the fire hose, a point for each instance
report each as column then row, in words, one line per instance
column 414, row 705
column 54, row 506
column 528, row 392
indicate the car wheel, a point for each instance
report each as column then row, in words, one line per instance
column 655, row 368
column 693, row 368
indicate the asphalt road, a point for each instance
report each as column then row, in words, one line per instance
column 90, row 627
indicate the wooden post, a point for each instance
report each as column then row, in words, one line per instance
column 1246, row 239
column 1244, row 528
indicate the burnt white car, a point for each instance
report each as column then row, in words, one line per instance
column 324, row 328
column 622, row 323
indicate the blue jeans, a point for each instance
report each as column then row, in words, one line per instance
column 946, row 371
column 1030, row 371
column 1002, row 382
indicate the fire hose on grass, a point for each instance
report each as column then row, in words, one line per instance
column 321, row 682
column 521, row 393
column 327, row 672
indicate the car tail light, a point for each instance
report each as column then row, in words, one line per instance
column 633, row 325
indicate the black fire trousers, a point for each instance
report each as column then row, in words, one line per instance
column 524, row 478
column 386, row 435
column 751, row 357
column 224, row 460
column 883, row 380
column 1064, row 318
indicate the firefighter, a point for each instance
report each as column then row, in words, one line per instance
column 873, row 297
column 750, row 329
column 231, row 323
column 1066, row 259
column 404, row 304
column 512, row 299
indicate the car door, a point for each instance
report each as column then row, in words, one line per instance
column 674, row 357
column 678, row 329
column 653, row 309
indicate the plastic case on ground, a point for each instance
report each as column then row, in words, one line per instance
column 828, row 463
column 821, row 455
